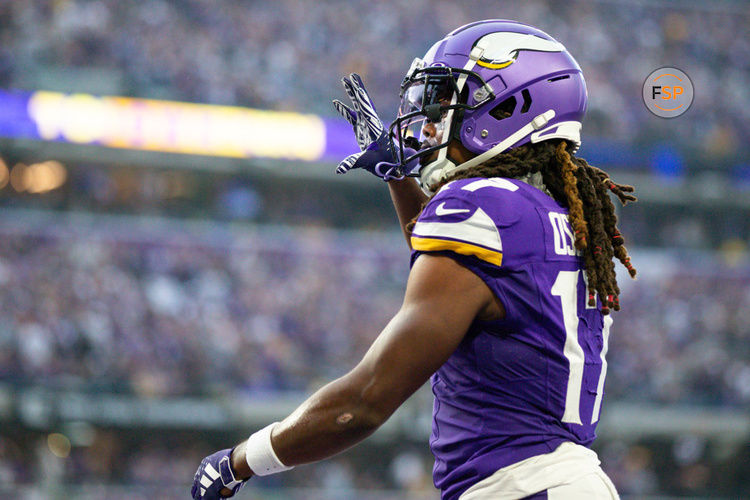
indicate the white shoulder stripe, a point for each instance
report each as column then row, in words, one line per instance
column 497, row 182
column 478, row 229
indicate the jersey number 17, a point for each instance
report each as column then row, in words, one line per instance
column 566, row 287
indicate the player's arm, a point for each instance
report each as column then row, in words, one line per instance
column 408, row 199
column 442, row 299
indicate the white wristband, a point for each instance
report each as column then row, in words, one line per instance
column 260, row 455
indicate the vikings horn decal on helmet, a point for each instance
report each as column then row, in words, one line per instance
column 492, row 85
column 501, row 49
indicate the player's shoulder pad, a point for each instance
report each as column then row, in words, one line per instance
column 457, row 219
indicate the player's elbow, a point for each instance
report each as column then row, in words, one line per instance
column 365, row 419
column 373, row 406
column 360, row 419
column 377, row 403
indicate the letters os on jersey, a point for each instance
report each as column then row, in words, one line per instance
column 521, row 386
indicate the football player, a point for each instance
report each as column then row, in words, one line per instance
column 512, row 281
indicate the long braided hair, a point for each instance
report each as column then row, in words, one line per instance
column 582, row 188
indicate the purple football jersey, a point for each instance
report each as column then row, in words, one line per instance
column 518, row 387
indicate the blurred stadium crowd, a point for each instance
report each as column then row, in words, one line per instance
column 125, row 309
column 111, row 305
column 290, row 55
column 180, row 314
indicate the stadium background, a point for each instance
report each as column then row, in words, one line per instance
column 175, row 276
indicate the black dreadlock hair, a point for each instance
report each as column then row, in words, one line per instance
column 582, row 188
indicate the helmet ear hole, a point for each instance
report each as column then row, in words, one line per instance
column 504, row 109
column 526, row 101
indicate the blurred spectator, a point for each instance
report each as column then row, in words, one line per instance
column 631, row 468
column 409, row 471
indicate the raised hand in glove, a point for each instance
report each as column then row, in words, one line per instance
column 377, row 154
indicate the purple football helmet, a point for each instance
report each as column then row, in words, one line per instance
column 492, row 85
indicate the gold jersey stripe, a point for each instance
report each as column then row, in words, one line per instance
column 435, row 245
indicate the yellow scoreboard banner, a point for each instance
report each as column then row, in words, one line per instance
column 176, row 127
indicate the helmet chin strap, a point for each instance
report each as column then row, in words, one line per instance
column 430, row 174
column 434, row 172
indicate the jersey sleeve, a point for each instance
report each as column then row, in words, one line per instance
column 453, row 221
